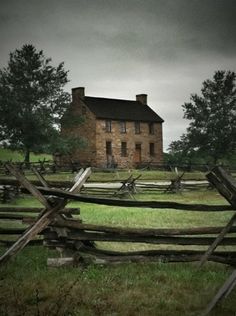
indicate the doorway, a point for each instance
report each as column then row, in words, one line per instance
column 137, row 153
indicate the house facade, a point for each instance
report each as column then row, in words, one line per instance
column 116, row 132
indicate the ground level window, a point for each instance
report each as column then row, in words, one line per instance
column 108, row 148
column 123, row 149
column 152, row 149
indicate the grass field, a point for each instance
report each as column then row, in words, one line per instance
column 6, row 155
column 153, row 175
column 29, row 287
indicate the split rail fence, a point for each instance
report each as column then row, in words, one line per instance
column 76, row 240
column 10, row 188
column 52, row 166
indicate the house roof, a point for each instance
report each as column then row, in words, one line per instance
column 117, row 109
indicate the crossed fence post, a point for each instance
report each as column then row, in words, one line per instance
column 226, row 185
column 46, row 216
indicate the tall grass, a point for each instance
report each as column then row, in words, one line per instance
column 130, row 289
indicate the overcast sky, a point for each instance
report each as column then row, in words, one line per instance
column 120, row 48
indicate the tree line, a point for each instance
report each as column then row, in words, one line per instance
column 33, row 104
column 211, row 134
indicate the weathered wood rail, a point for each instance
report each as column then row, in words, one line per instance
column 8, row 193
column 115, row 188
column 21, row 209
column 53, row 166
column 65, row 233
column 226, row 185
column 89, row 233
column 50, row 211
column 134, row 203
column 43, row 166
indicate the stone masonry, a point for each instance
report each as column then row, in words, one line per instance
column 95, row 136
column 116, row 137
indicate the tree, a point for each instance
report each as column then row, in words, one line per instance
column 32, row 101
column 179, row 152
column 212, row 128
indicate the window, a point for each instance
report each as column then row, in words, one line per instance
column 152, row 149
column 151, row 128
column 137, row 127
column 108, row 148
column 123, row 149
column 108, row 126
column 123, row 127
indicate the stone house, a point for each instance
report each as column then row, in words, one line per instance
column 120, row 133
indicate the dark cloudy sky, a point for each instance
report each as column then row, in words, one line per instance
column 120, row 48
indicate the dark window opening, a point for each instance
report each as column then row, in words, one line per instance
column 123, row 127
column 138, row 146
column 151, row 128
column 123, row 149
column 137, row 127
column 152, row 149
column 108, row 148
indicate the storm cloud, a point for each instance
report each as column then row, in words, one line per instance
column 120, row 48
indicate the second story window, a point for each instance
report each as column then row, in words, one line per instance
column 151, row 128
column 122, row 126
column 137, row 127
column 108, row 126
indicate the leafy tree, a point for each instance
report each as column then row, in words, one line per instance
column 32, row 101
column 212, row 128
column 179, row 152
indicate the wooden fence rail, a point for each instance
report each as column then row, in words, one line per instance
column 134, row 203
column 52, row 166
column 65, row 233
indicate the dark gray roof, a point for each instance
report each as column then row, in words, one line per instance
column 121, row 110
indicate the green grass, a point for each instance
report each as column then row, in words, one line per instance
column 28, row 287
column 106, row 177
column 129, row 289
column 7, row 154
column 153, row 175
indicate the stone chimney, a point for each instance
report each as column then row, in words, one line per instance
column 77, row 93
column 142, row 98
